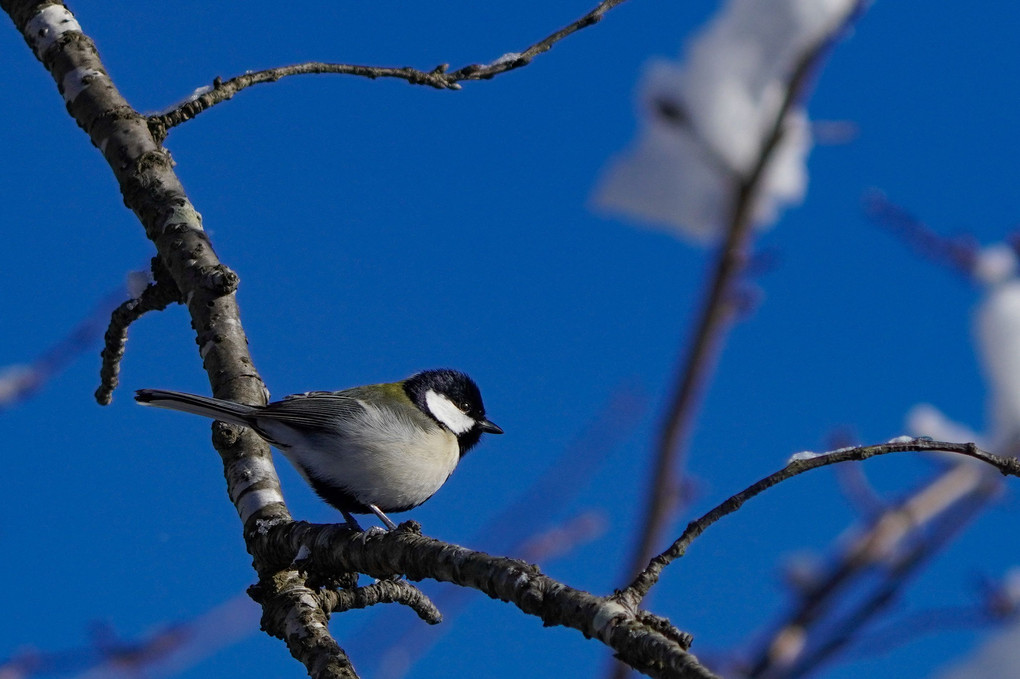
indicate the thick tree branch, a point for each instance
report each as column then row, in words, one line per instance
column 642, row 584
column 152, row 190
column 439, row 77
column 646, row 642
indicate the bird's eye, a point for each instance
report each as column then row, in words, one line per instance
column 465, row 406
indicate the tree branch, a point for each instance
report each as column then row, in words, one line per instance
column 439, row 77
column 642, row 584
column 295, row 614
column 382, row 592
column 646, row 642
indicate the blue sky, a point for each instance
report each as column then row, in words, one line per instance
column 379, row 229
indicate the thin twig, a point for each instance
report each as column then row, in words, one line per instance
column 716, row 311
column 439, row 77
column 509, row 62
column 158, row 295
column 636, row 591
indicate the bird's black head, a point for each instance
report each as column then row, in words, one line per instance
column 453, row 400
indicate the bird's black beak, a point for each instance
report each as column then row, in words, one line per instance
column 489, row 427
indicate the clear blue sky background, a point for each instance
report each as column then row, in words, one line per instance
column 380, row 228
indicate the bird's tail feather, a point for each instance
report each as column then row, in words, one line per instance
column 218, row 409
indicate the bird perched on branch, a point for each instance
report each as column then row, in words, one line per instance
column 372, row 449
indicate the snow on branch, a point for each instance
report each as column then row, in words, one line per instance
column 736, row 195
column 706, row 120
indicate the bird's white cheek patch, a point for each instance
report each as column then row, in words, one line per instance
column 447, row 413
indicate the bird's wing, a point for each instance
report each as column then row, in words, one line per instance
column 316, row 409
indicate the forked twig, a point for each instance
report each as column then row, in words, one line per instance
column 158, row 295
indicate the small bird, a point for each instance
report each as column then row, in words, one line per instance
column 372, row 449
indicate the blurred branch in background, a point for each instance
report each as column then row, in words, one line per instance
column 834, row 605
column 164, row 653
column 996, row 323
column 998, row 604
column 958, row 253
column 997, row 658
column 20, row 381
column 723, row 148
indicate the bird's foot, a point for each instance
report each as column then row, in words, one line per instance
column 382, row 517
